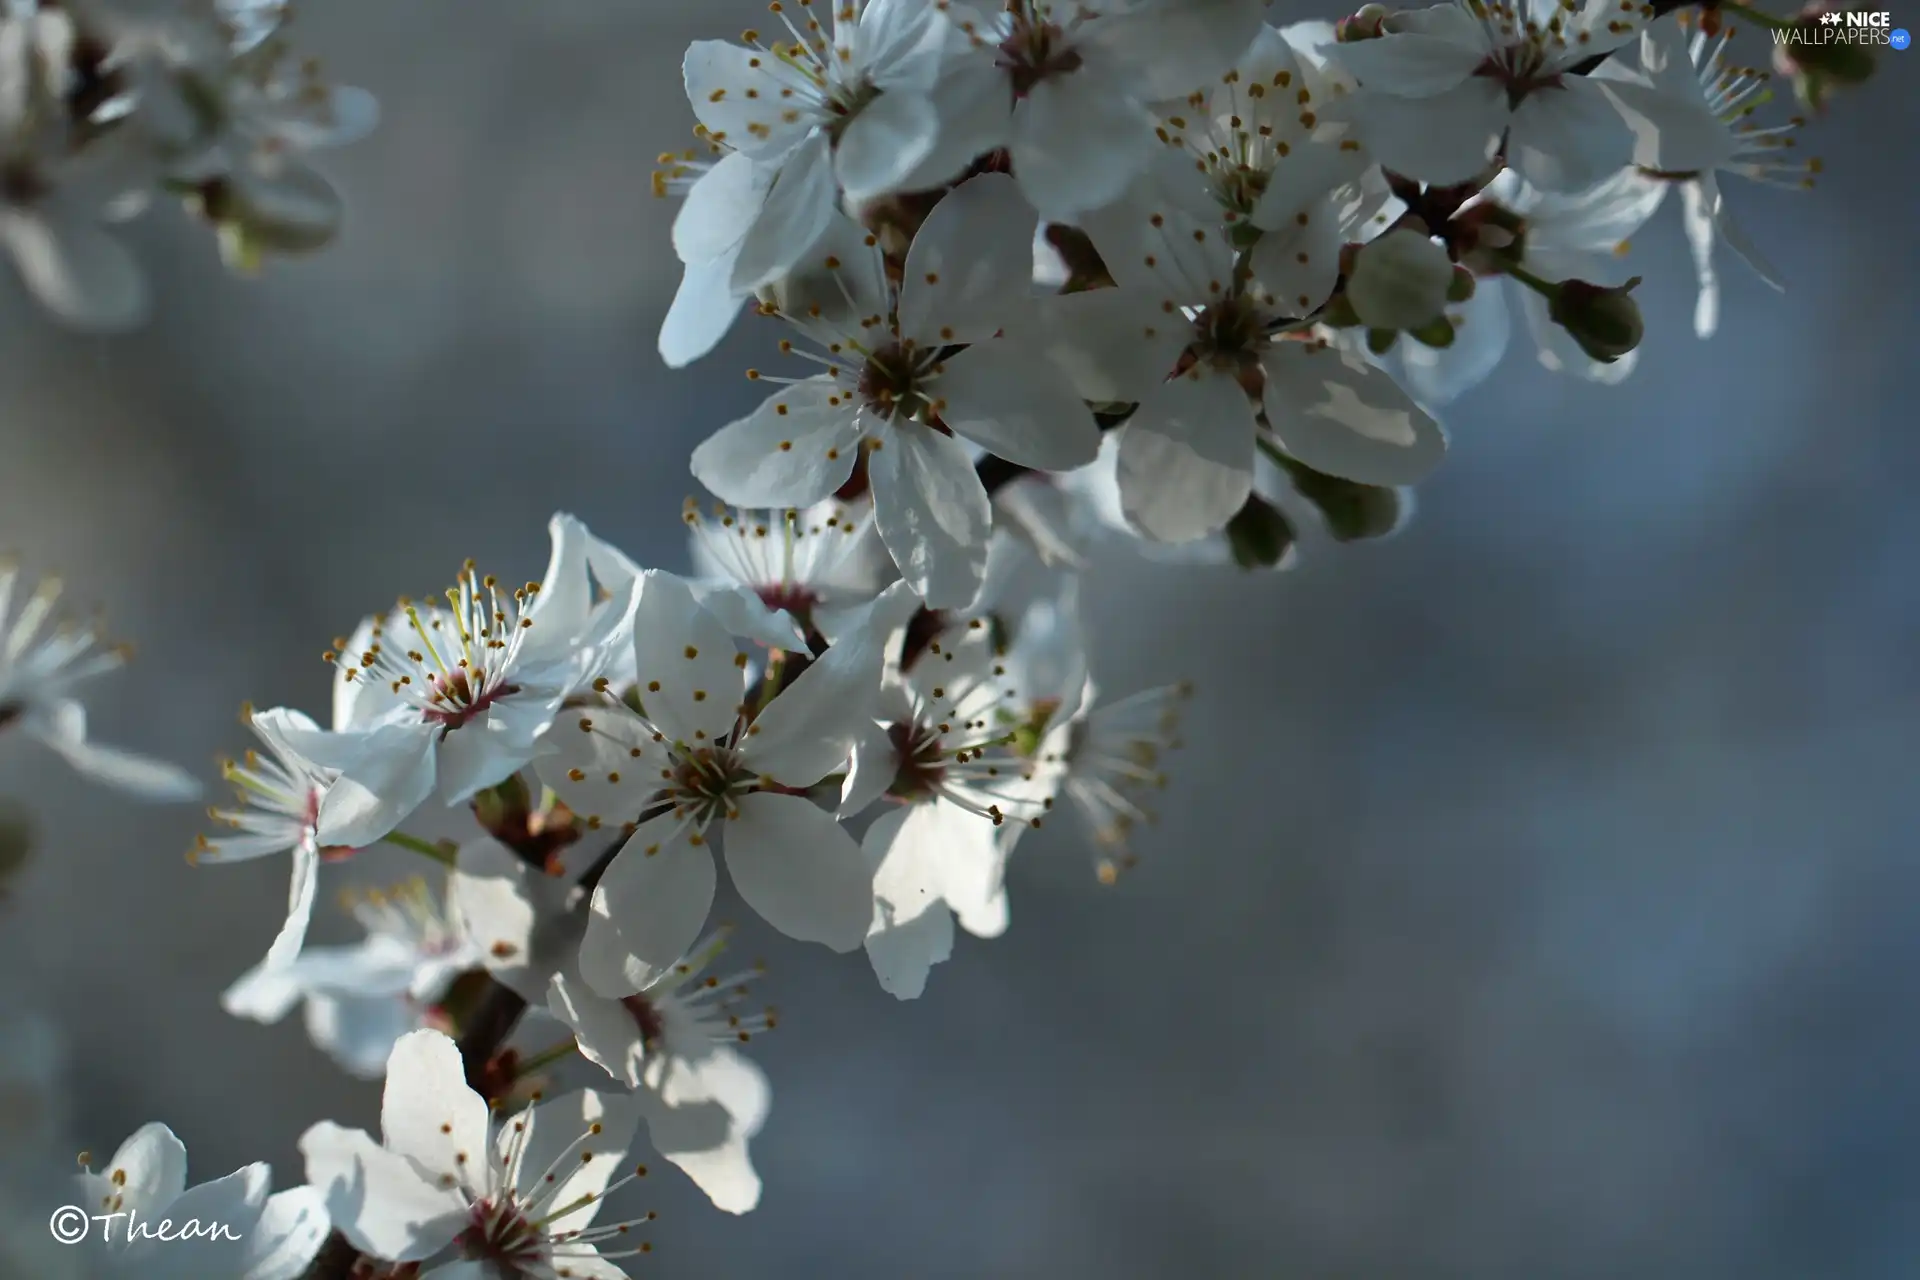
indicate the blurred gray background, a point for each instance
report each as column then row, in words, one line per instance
column 1537, row 890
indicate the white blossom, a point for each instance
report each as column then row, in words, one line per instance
column 43, row 666
column 233, row 1228
column 1108, row 755
column 279, row 812
column 1066, row 88
column 520, row 1197
column 1693, row 123
column 1220, row 368
column 676, row 1042
column 940, row 755
column 65, row 163
column 697, row 757
column 1448, row 87
column 821, row 115
column 766, row 574
column 897, row 394
column 454, row 697
column 361, row 998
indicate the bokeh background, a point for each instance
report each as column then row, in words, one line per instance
column 1537, row 889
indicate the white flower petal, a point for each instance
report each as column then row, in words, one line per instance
column 1698, row 222
column 799, row 869
column 64, row 730
column 1438, row 376
column 969, row 264
column 1108, row 345
column 793, row 451
column 391, row 775
column 1300, row 262
column 648, row 909
column 1440, row 49
column 884, row 143
column 604, row 1028
column 77, row 271
column 1175, row 46
column 1569, row 137
column 737, row 95
column 721, row 208
column 1077, row 142
column 701, row 1119
column 1341, row 416
column 300, row 895
column 911, row 928
column 553, row 1129
column 932, row 513
column 147, row 1173
column 798, row 210
column 1186, row 458
column 377, row 1198
column 704, row 309
column 1014, row 404
column 292, row 1226
column 1443, row 139
column 690, row 675
column 428, row 1113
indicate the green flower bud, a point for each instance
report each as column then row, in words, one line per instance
column 1260, row 537
column 1603, row 319
column 1339, row 313
column 1437, row 332
column 1400, row 280
column 1353, row 512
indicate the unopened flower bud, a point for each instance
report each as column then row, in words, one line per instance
column 1369, row 23
column 1338, row 313
column 1488, row 238
column 1603, row 319
column 1810, row 53
column 1400, row 281
column 1260, row 537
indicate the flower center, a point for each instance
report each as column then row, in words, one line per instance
column 9, row 712
column 501, row 1233
column 1522, row 68
column 455, row 697
column 1034, row 50
column 791, row 596
column 704, row 781
column 920, row 764
column 895, row 381
column 646, row 1016
column 1227, row 335
column 844, row 102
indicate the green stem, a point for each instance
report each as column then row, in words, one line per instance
column 1545, row 288
column 443, row 853
column 546, row 1057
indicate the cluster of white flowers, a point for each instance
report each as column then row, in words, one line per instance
column 105, row 105
column 1060, row 272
